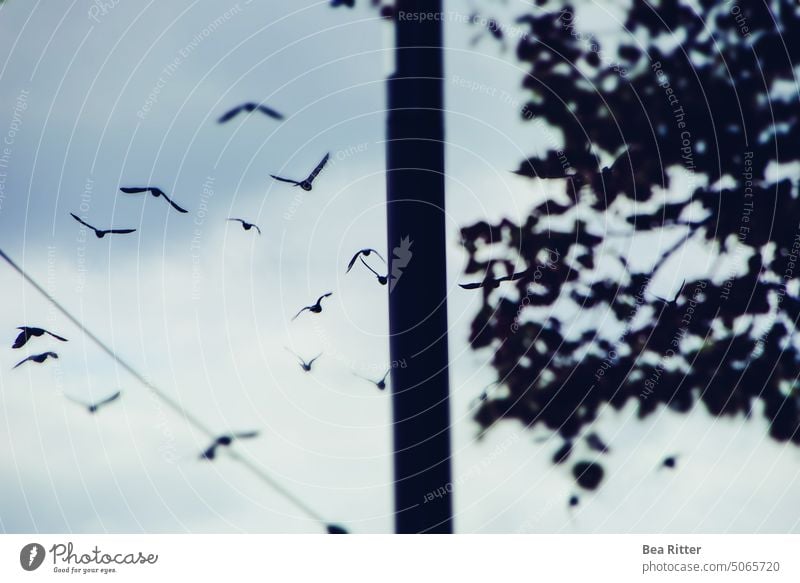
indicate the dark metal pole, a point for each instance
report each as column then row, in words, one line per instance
column 418, row 288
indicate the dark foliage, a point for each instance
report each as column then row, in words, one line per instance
column 582, row 328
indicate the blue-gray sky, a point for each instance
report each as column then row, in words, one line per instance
column 91, row 100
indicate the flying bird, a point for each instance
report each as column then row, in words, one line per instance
column 305, row 184
column 29, row 332
column 156, row 192
column 574, row 501
column 673, row 301
column 366, row 253
column 491, row 282
column 382, row 279
column 247, row 226
column 100, row 233
column 250, row 108
column 225, row 441
column 93, row 407
column 40, row 358
column 314, row 308
column 306, row 366
column 381, row 384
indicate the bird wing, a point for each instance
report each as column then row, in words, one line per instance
column 57, row 337
column 386, row 375
column 109, row 399
column 289, row 180
column 471, row 285
column 297, row 356
column 21, row 339
column 368, row 267
column 320, row 298
column 270, row 112
column 353, row 261
column 120, row 231
column 245, row 434
column 318, row 169
column 23, row 361
column 170, row 201
column 229, row 115
column 300, row 312
column 376, row 253
column 239, row 220
column 82, row 222
column 257, row 228
column 209, row 453
column 134, row 189
column 310, row 362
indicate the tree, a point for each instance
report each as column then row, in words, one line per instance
column 710, row 96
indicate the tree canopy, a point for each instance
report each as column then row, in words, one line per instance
column 698, row 111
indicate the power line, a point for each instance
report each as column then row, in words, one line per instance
column 257, row 471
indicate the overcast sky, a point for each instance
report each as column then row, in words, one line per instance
column 91, row 100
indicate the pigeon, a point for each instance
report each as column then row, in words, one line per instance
column 93, row 407
column 156, row 192
column 366, row 253
column 314, row 308
column 29, row 332
column 305, row 184
column 100, row 233
column 250, row 108
column 381, row 384
column 225, row 441
column 247, row 226
column 306, row 366
column 40, row 358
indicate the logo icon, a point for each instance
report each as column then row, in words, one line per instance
column 402, row 257
column 31, row 556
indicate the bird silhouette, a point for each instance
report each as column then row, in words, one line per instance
column 29, row 332
column 335, row 529
column 40, row 358
column 306, row 366
column 381, row 384
column 574, row 501
column 305, row 184
column 673, row 301
column 100, row 233
column 366, row 253
column 247, row 226
column 156, row 192
column 382, row 279
column 225, row 441
column 314, row 308
column 492, row 282
column 250, row 108
column 93, row 407
column 670, row 462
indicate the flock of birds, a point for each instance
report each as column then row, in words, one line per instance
column 588, row 477
column 27, row 332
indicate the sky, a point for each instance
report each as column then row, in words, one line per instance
column 92, row 99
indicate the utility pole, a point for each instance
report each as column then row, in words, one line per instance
column 418, row 269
